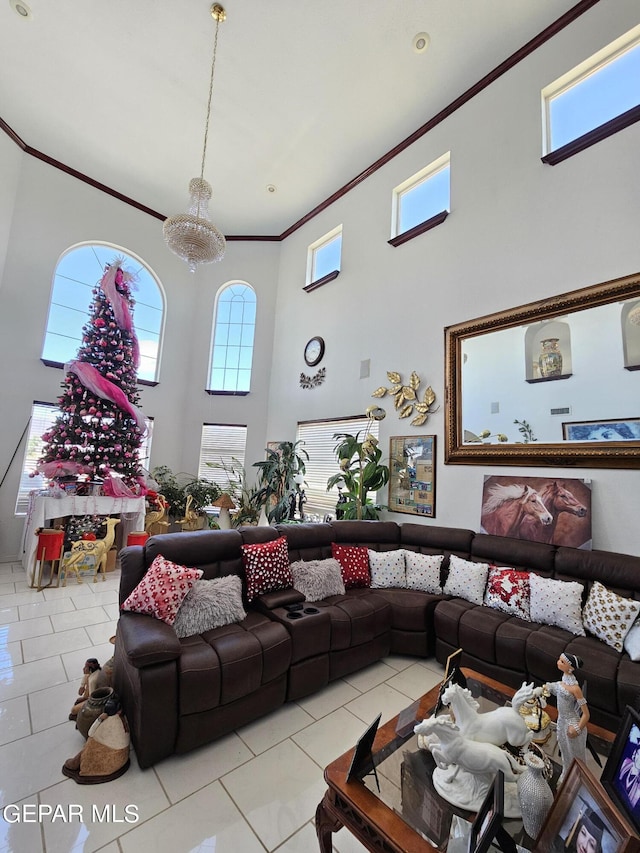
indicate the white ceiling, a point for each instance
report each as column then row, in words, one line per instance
column 308, row 93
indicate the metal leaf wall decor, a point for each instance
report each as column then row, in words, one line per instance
column 407, row 397
column 313, row 381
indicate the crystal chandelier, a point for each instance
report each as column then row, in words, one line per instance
column 192, row 236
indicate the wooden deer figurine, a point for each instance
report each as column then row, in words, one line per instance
column 98, row 549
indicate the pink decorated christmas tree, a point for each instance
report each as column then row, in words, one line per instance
column 100, row 427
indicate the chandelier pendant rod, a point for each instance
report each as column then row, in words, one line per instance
column 219, row 14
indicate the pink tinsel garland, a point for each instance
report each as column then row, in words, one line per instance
column 101, row 387
column 120, row 306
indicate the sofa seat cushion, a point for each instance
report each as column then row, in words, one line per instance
column 628, row 683
column 511, row 643
column 447, row 619
column 599, row 670
column 477, row 632
column 544, row 647
column 356, row 617
column 410, row 610
column 228, row 663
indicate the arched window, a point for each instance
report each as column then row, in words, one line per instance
column 78, row 271
column 232, row 344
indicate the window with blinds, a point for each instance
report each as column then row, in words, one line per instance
column 319, row 443
column 42, row 417
column 221, row 443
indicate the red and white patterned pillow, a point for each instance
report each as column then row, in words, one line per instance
column 162, row 590
column 354, row 564
column 266, row 567
column 508, row 590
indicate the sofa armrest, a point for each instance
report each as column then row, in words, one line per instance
column 147, row 641
column 271, row 600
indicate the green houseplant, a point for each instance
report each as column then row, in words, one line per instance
column 361, row 471
column 276, row 478
column 243, row 495
column 176, row 488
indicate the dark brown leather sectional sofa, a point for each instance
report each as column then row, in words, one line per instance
column 181, row 694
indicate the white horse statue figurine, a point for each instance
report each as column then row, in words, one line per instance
column 504, row 725
column 466, row 768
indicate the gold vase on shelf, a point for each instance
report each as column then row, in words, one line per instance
column 550, row 359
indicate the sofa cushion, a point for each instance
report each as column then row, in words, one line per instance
column 556, row 603
column 317, row 579
column 478, row 629
column 423, row 571
column 354, row 564
column 508, row 590
column 466, row 579
column 266, row 566
column 210, row 604
column 162, row 590
column 387, row 569
column 609, row 616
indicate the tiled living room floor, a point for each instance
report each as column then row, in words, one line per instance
column 255, row 790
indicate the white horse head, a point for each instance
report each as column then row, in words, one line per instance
column 455, row 691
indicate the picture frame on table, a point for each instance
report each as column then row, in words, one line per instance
column 583, row 814
column 621, row 775
column 612, row 429
column 412, row 475
column 487, row 827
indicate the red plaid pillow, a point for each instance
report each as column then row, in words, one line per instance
column 508, row 590
column 162, row 590
column 354, row 564
column 266, row 567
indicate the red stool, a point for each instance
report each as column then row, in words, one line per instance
column 50, row 548
column 137, row 537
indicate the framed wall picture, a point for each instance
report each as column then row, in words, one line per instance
column 617, row 429
column 583, row 817
column 621, row 774
column 412, row 474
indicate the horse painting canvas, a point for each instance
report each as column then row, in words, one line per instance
column 541, row 509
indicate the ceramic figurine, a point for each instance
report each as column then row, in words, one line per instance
column 573, row 712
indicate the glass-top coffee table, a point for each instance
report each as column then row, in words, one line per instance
column 407, row 815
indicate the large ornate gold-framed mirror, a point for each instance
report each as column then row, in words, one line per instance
column 507, row 369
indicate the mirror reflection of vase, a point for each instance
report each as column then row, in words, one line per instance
column 550, row 359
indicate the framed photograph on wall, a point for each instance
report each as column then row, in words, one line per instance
column 584, row 817
column 620, row 429
column 412, row 474
column 621, row 774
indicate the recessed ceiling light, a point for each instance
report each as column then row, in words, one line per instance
column 21, row 9
column 421, row 42
column 271, row 188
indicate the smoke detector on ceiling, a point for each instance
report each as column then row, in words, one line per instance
column 421, row 42
column 21, row 9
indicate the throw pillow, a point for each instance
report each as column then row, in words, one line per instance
column 317, row 579
column 266, row 567
column 423, row 571
column 556, row 603
column 387, row 569
column 632, row 642
column 508, row 590
column 210, row 604
column 609, row 616
column 354, row 564
column 466, row 579
column 162, row 590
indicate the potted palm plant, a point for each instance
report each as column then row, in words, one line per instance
column 178, row 488
column 276, row 480
column 361, row 471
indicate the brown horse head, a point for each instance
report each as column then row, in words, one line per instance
column 559, row 499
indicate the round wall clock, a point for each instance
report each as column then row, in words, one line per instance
column 314, row 351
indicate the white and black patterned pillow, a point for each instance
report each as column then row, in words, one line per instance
column 466, row 579
column 557, row 603
column 423, row 571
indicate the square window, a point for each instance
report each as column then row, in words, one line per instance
column 324, row 256
column 422, row 196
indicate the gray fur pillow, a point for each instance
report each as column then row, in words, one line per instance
column 210, row 604
column 317, row 579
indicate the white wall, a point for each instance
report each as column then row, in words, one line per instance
column 10, row 163
column 52, row 212
column 518, row 231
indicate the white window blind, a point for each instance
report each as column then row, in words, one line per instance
column 319, row 443
column 221, row 443
column 42, row 417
